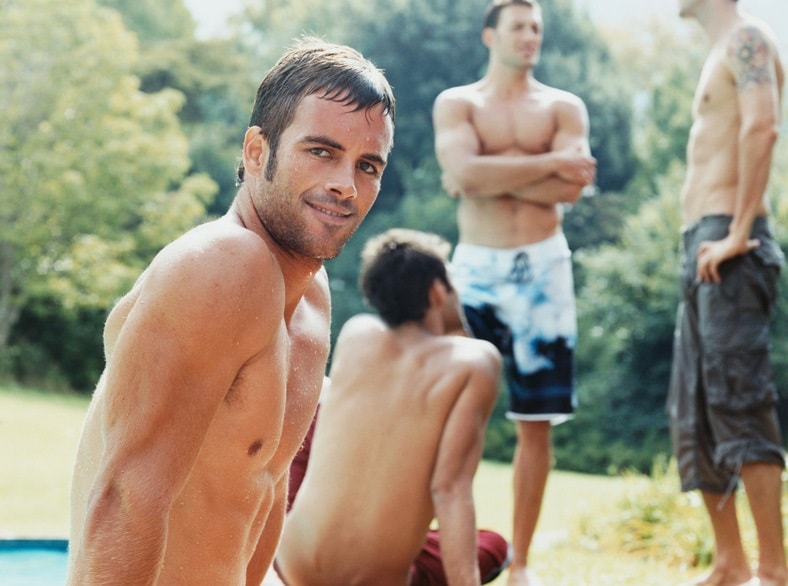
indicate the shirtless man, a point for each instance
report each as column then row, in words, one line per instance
column 492, row 550
column 722, row 398
column 215, row 358
column 514, row 150
column 400, row 433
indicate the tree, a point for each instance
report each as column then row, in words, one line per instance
column 626, row 311
column 154, row 21
column 214, row 76
column 662, row 90
column 93, row 170
column 628, row 292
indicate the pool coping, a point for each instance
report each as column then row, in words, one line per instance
column 53, row 543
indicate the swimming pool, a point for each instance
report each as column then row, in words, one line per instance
column 33, row 562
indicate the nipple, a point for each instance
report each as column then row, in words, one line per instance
column 254, row 448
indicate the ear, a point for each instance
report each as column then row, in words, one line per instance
column 255, row 151
column 488, row 34
column 438, row 293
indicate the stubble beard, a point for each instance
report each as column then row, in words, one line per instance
column 287, row 227
column 292, row 235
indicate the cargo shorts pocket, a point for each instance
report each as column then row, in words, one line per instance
column 739, row 382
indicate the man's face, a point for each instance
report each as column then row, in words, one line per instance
column 517, row 40
column 330, row 162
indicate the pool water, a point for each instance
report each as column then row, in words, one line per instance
column 33, row 562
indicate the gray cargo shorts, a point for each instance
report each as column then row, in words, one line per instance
column 722, row 398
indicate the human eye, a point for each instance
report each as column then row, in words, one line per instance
column 369, row 168
column 320, row 152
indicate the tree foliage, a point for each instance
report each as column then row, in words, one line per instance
column 626, row 308
column 118, row 126
column 213, row 76
column 93, row 173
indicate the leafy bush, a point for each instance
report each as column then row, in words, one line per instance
column 656, row 521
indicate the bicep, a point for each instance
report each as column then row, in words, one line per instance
column 572, row 126
column 455, row 137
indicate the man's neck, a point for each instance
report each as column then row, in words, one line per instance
column 509, row 80
column 297, row 271
column 429, row 326
column 718, row 20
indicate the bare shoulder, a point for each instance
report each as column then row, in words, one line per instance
column 216, row 250
column 217, row 273
column 463, row 96
column 470, row 367
column 479, row 356
column 563, row 100
column 751, row 53
column 359, row 327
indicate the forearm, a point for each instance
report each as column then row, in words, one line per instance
column 269, row 541
column 491, row 176
column 457, row 525
column 756, row 148
column 550, row 191
column 116, row 551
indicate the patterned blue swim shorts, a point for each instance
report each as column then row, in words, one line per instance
column 522, row 300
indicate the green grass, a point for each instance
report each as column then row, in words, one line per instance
column 567, row 550
column 39, row 434
column 38, row 438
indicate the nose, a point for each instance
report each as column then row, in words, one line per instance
column 342, row 181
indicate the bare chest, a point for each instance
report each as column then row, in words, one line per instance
column 524, row 125
column 267, row 410
column 716, row 94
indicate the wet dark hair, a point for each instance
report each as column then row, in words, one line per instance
column 493, row 10
column 398, row 267
column 312, row 66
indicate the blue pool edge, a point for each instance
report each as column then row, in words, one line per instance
column 52, row 543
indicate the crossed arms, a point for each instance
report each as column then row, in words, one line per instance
column 555, row 176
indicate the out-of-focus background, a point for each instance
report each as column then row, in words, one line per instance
column 120, row 128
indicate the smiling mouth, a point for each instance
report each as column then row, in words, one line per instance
column 330, row 212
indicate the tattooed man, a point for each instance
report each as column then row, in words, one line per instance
column 722, row 397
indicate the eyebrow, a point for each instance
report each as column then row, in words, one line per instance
column 375, row 158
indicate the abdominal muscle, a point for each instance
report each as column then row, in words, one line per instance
column 711, row 186
column 505, row 221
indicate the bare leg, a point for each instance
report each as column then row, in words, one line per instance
column 532, row 463
column 730, row 562
column 763, row 483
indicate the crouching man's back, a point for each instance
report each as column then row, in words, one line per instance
column 399, row 435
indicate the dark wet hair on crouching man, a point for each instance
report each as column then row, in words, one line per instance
column 398, row 267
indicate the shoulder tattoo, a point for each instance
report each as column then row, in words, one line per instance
column 750, row 57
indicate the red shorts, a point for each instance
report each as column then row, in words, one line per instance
column 492, row 551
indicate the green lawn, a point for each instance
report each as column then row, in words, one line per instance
column 39, row 434
column 38, row 439
column 562, row 555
